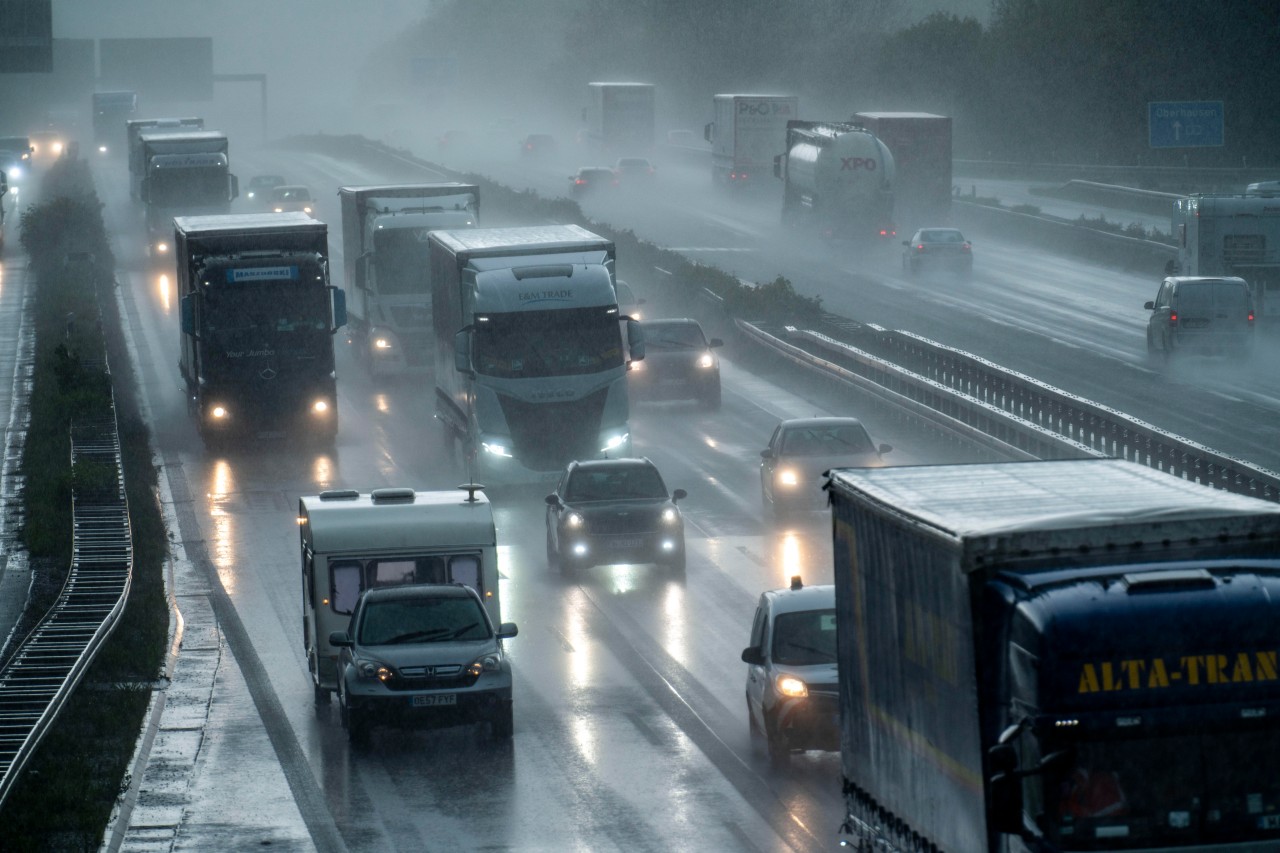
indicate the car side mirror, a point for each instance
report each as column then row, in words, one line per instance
column 679, row 495
column 753, row 656
column 507, row 630
column 340, row 640
column 885, row 448
column 766, row 454
column 715, row 342
column 1150, row 306
column 552, row 500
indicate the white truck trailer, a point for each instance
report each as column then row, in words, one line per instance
column 352, row 541
column 384, row 255
column 620, row 118
column 747, row 133
column 531, row 359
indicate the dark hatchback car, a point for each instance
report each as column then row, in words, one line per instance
column 937, row 248
column 590, row 179
column 608, row 511
column 425, row 656
column 801, row 450
column 678, row 363
column 537, row 144
column 1201, row 315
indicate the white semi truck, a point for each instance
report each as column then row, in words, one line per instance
column 531, row 359
column 838, row 180
column 1233, row 235
column 185, row 174
column 384, row 253
column 133, row 130
column 353, row 541
column 747, row 133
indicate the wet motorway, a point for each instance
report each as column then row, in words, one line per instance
column 631, row 730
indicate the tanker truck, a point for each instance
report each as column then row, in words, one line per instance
column 837, row 180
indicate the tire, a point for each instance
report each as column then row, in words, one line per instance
column 320, row 696
column 502, row 724
column 779, row 752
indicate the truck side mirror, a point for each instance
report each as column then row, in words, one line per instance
column 462, row 352
column 635, row 339
column 709, row 131
column 187, row 312
column 339, row 308
column 777, row 165
column 233, row 186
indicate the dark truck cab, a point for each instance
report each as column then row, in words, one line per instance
column 258, row 316
column 1051, row 656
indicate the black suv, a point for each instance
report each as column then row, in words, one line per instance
column 607, row 511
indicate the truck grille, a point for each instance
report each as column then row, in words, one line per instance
column 548, row 436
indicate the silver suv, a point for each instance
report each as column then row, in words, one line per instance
column 426, row 656
column 1200, row 314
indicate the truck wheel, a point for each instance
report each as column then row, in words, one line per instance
column 320, row 696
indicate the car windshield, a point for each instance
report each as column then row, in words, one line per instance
column 804, row 638
column 673, row 336
column 422, row 619
column 826, row 441
column 618, row 483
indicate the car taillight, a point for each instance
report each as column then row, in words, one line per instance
column 920, row 247
column 1250, row 316
column 579, row 182
column 1173, row 318
column 966, row 247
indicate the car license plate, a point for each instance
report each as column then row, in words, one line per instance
column 628, row 542
column 434, row 700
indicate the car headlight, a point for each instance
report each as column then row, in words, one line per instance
column 789, row 685
column 670, row 515
column 250, row 195
column 496, row 449
column 219, row 413
column 306, row 210
column 788, row 477
column 162, row 248
column 382, row 342
column 14, row 172
column 707, row 361
column 372, row 669
column 574, row 520
column 279, row 210
column 491, row 662
column 320, row 407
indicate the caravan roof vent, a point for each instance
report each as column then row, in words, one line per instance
column 339, row 495
column 383, row 496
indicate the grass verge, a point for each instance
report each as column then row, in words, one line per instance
column 66, row 794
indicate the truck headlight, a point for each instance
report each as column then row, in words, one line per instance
column 789, row 685
column 383, row 343
column 320, row 407
column 613, row 442
column 306, row 210
column 162, row 248
column 219, row 413
column 496, row 448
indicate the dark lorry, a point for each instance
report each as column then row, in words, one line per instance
column 1066, row 655
column 258, row 316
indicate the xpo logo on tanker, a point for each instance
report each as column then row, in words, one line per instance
column 853, row 164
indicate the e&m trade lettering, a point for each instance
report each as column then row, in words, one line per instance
column 539, row 295
column 1188, row 670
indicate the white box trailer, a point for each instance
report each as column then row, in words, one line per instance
column 747, row 133
column 352, row 541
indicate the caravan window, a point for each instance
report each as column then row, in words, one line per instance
column 348, row 578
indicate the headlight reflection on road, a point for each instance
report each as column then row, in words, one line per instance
column 164, row 287
column 322, row 472
column 675, row 621
column 790, row 557
column 224, row 550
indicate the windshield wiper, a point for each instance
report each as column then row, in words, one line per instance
column 464, row 629
column 417, row 635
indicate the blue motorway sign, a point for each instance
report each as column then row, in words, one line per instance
column 1184, row 124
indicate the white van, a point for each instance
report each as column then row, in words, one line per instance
column 353, row 541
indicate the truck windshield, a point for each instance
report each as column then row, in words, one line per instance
column 188, row 187
column 534, row 344
column 1209, row 789
column 249, row 316
column 400, row 255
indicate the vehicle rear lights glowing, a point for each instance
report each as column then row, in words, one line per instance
column 1250, row 316
column 1173, row 318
